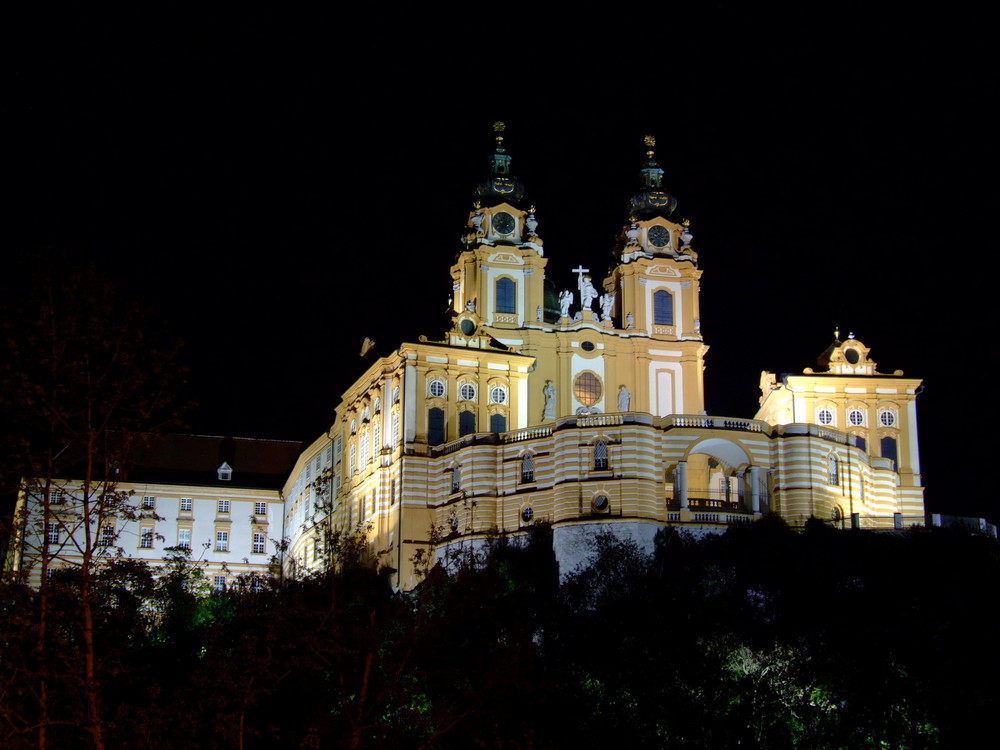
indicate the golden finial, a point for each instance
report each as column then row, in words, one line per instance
column 498, row 128
column 650, row 141
column 836, row 333
column 686, row 222
column 531, row 210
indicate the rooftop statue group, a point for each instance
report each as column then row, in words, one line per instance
column 588, row 293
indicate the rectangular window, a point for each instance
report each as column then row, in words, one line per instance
column 184, row 538
column 601, row 456
column 148, row 503
column 57, row 497
column 218, row 584
column 52, row 533
column 506, row 295
column 260, row 509
column 186, row 504
column 259, row 544
column 107, row 536
column 146, row 539
column 527, row 468
column 222, row 541
column 663, row 308
column 223, row 506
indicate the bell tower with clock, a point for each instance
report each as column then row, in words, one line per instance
column 498, row 279
column 656, row 285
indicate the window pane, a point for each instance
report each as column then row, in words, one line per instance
column 506, row 292
column 435, row 426
column 663, row 308
column 466, row 423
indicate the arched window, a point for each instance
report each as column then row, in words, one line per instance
column 498, row 423
column 395, row 429
column 435, row 426
column 376, row 438
column 889, row 449
column 601, row 455
column 466, row 423
column 834, row 470
column 663, row 308
column 506, row 295
column 527, row 468
column 364, row 448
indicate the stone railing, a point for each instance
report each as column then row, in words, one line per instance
column 529, row 434
column 600, row 420
column 718, row 423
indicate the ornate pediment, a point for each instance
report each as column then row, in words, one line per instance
column 662, row 270
column 509, row 259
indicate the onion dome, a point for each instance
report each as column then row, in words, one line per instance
column 501, row 186
column 652, row 200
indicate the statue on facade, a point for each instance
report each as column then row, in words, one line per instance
column 565, row 300
column 470, row 305
column 624, row 398
column 550, row 400
column 607, row 305
column 630, row 321
column 587, row 293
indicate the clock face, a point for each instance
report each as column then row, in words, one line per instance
column 503, row 223
column 659, row 236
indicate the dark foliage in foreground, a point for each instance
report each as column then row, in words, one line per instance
column 761, row 637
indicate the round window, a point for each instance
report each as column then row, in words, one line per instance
column 852, row 355
column 587, row 388
column 437, row 388
column 468, row 326
column 887, row 418
column 600, row 503
column 527, row 514
column 467, row 391
column 587, row 346
column 856, row 417
column 825, row 416
column 498, row 395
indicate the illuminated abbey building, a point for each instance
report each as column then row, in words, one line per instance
column 582, row 408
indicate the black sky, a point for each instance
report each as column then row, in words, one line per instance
column 281, row 186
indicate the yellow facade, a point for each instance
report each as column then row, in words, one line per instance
column 587, row 412
column 580, row 407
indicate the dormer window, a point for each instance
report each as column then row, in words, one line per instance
column 225, row 472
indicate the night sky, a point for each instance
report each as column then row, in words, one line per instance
column 279, row 187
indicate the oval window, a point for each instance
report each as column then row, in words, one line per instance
column 587, row 388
